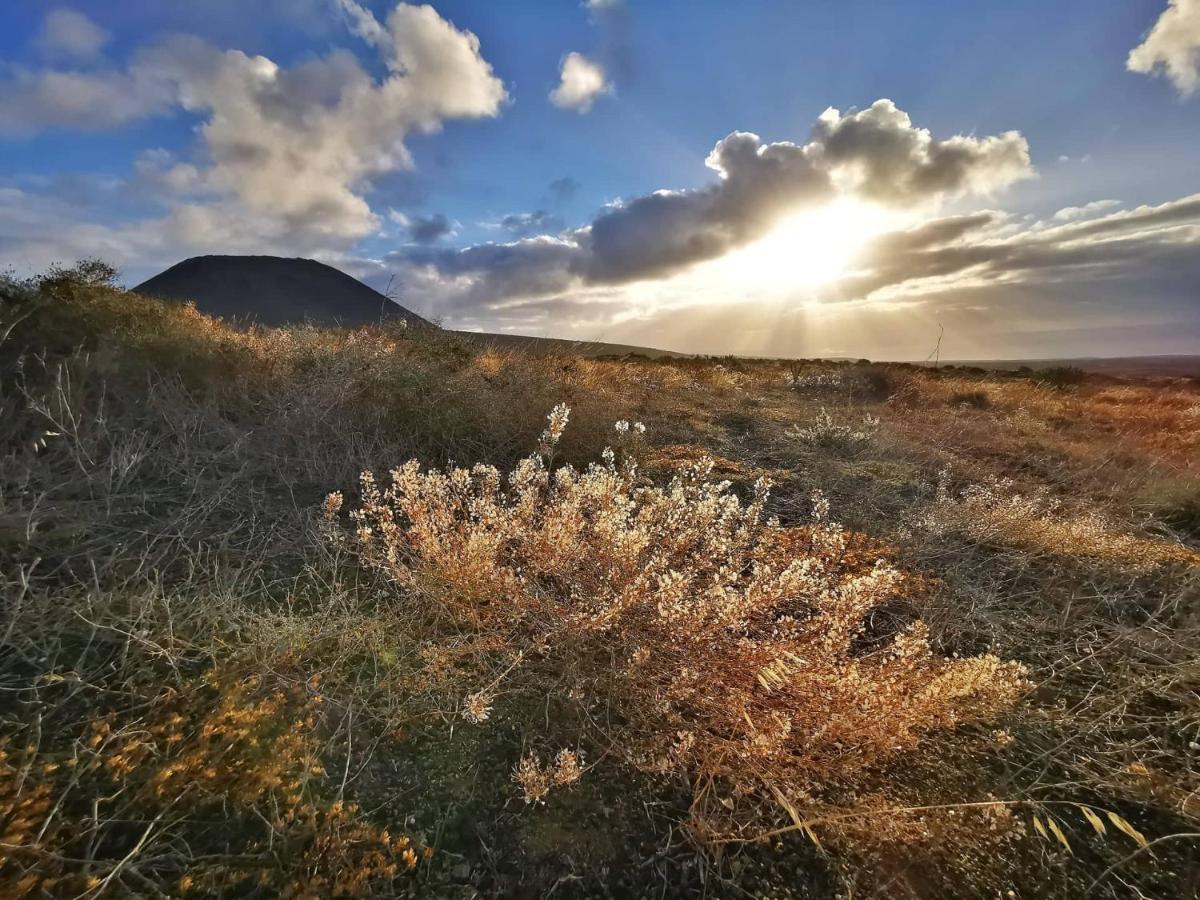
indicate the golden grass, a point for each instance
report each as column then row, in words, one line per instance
column 995, row 513
column 224, row 752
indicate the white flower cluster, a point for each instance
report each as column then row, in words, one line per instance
column 825, row 432
column 816, row 382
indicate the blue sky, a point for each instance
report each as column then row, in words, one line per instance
column 495, row 213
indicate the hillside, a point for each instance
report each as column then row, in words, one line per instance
column 587, row 349
column 271, row 290
column 1166, row 366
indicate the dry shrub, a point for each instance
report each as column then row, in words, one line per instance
column 862, row 382
column 599, row 392
column 994, row 512
column 1059, row 377
column 825, row 432
column 971, row 399
column 536, row 780
column 822, row 383
column 724, row 645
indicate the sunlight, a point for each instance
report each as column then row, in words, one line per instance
column 811, row 248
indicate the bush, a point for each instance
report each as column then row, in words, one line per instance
column 862, row 382
column 1060, row 377
column 972, row 399
column 870, row 383
column 721, row 644
column 1180, row 509
column 822, row 383
column 826, row 433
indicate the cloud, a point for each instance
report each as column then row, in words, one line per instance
column 458, row 281
column 1001, row 286
column 984, row 249
column 656, row 234
column 160, row 176
column 563, row 190
column 429, row 229
column 582, row 80
column 297, row 146
column 1070, row 213
column 33, row 101
column 526, row 224
column 71, row 35
column 878, row 154
column 1172, row 48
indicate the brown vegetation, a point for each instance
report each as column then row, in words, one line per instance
column 581, row 670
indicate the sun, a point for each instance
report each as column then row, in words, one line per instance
column 811, row 248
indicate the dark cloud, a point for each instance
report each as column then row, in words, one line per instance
column 982, row 274
column 428, row 229
column 1176, row 212
column 563, row 190
column 526, row 224
column 649, row 236
column 489, row 273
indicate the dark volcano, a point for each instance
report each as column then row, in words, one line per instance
column 271, row 290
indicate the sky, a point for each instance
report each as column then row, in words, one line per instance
column 819, row 178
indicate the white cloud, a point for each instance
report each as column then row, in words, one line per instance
column 296, row 146
column 1071, row 213
column 365, row 25
column 158, row 173
column 33, row 101
column 1172, row 48
column 582, row 80
column 879, row 154
column 72, row 35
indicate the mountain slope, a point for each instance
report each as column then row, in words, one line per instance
column 530, row 344
column 272, row 290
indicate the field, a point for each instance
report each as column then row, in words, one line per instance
column 592, row 627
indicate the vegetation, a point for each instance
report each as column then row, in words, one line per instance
column 579, row 654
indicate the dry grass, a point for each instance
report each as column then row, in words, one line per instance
column 994, row 513
column 211, row 687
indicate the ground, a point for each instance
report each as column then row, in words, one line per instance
column 213, row 692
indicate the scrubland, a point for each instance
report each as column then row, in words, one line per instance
column 381, row 612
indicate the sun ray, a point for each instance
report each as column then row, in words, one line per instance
column 811, row 248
